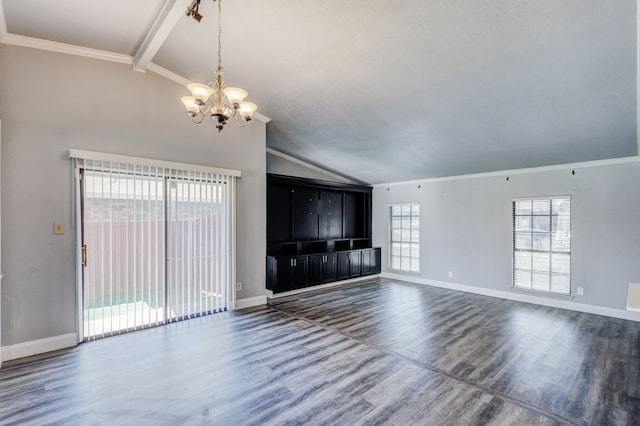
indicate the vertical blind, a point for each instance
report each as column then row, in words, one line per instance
column 158, row 242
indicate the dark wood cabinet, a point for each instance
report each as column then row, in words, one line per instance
column 291, row 273
column 317, row 232
column 349, row 264
column 322, row 268
column 371, row 261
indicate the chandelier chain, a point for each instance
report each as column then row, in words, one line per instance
column 219, row 34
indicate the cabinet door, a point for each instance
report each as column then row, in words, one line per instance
column 330, row 267
column 283, row 274
column 343, row 265
column 304, row 205
column 299, row 272
column 316, row 269
column 330, row 215
column 371, row 261
column 376, row 260
column 355, row 269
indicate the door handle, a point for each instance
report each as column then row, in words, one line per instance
column 84, row 255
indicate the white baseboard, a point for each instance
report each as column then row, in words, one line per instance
column 272, row 295
column 35, row 347
column 521, row 297
column 250, row 302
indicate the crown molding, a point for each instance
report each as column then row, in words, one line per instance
column 69, row 49
column 557, row 167
column 169, row 75
column 103, row 55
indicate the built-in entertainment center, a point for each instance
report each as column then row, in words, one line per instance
column 317, row 232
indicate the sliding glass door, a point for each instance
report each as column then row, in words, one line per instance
column 197, row 228
column 123, row 232
column 156, row 246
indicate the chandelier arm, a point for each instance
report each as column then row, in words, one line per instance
column 198, row 121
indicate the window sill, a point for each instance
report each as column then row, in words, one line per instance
column 542, row 293
column 405, row 272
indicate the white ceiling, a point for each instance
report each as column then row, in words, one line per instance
column 392, row 90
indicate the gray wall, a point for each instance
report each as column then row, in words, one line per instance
column 466, row 227
column 52, row 102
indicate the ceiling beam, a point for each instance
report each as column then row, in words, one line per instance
column 168, row 17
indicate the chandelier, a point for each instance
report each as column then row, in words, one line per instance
column 215, row 99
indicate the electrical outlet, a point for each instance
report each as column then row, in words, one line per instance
column 58, row 228
column 238, row 286
column 580, row 291
column 450, row 274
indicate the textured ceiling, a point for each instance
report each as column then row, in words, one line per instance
column 394, row 90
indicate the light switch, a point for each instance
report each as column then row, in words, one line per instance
column 58, row 228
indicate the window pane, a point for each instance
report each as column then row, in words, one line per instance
column 522, row 207
column 405, row 263
column 523, row 223
column 540, row 281
column 541, row 262
column 523, row 241
column 523, row 260
column 542, row 244
column 415, row 265
column 522, row 278
column 541, row 207
column 561, row 263
column 561, row 205
column 405, row 237
column 561, row 242
column 395, row 262
column 560, row 283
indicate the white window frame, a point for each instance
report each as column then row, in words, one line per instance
column 409, row 238
column 551, row 252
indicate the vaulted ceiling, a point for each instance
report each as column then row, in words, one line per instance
column 388, row 90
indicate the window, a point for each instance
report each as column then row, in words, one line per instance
column 405, row 237
column 542, row 244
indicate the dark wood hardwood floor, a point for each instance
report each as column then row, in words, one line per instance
column 375, row 352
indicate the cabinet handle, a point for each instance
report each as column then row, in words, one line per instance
column 295, row 262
